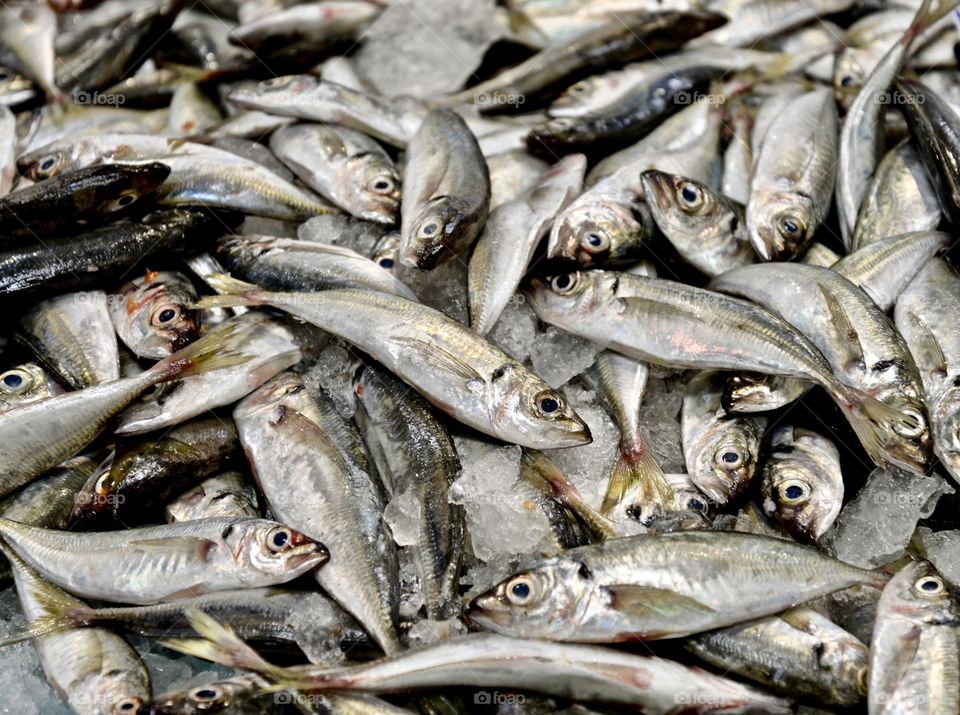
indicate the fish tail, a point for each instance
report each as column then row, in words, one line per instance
column 873, row 421
column 61, row 618
column 233, row 292
column 214, row 351
column 927, row 14
column 636, row 475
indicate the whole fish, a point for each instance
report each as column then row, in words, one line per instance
column 93, row 670
column 457, row 371
column 342, row 165
column 416, row 456
column 802, row 482
column 292, row 442
column 622, row 39
column 152, row 314
column 73, row 336
column 799, row 652
column 705, row 227
column 109, row 252
column 39, row 435
column 924, row 315
column 26, row 383
column 485, row 660
column 271, row 348
column 721, row 451
column 914, row 659
column 94, row 194
column 862, row 345
column 199, row 174
column 682, row 326
column 446, row 192
column 146, row 472
column 653, row 586
column 154, row 564
column 793, row 177
column 899, row 199
column 511, row 236
column 290, row 264
column 227, row 494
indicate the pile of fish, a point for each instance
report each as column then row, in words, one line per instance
column 462, row 356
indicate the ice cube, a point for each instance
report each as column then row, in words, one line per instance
column 559, row 356
column 515, row 332
column 660, row 419
column 875, row 527
column 333, row 371
column 353, row 233
column 402, row 515
column 427, row 632
column 443, row 288
column 943, row 551
column 411, row 596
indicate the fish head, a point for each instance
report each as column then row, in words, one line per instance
column 920, row 594
column 56, row 158
column 577, row 95
column 141, row 181
column 436, row 234
column 848, row 75
column 288, row 89
column 376, row 187
column 752, row 392
column 569, row 298
column 795, row 495
column 780, row 224
column 726, row 460
column 273, row 549
column 121, row 691
column 386, row 252
column 214, row 697
column 843, row 659
column 600, row 232
column 153, row 316
column 907, row 441
column 945, row 417
column 686, row 207
column 524, row 405
column 537, row 603
column 26, row 383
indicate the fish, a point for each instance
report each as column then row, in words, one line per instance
column 73, row 336
column 226, row 494
column 75, row 199
column 747, row 23
column 457, row 371
column 8, row 150
column 28, row 31
column 200, row 175
column 344, row 166
column 799, row 652
column 793, row 177
column 446, row 194
column 924, row 316
column 271, row 347
column 675, row 324
column 705, row 227
column 397, row 425
column 297, row 265
column 15, row 88
column 191, row 111
column 819, row 255
column 26, row 383
column 862, row 345
column 625, row 38
column 145, row 473
column 914, row 659
column 510, row 237
column 154, row 564
column 39, row 435
column 152, row 314
column 486, row 660
column 92, row 669
column 291, row 439
column 88, row 259
column 802, row 482
column 217, row 696
column 653, row 586
column 721, row 451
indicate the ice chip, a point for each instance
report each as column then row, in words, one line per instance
column 559, row 356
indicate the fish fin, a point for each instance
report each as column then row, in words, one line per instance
column 439, row 358
column 191, row 545
column 908, row 644
column 233, row 292
column 64, row 617
column 635, row 473
column 850, row 338
column 925, row 17
column 216, row 350
column 654, row 602
column 520, row 21
column 928, row 344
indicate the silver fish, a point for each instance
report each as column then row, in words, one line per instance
column 152, row 564
column 152, row 314
column 28, row 30
column 802, row 482
column 227, row 494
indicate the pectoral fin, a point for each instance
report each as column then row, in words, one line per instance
column 849, row 337
column 441, row 359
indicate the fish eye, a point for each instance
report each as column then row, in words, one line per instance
column 382, row 185
column 125, row 200
column 15, row 381
column 695, row 504
column 579, row 87
column 595, row 242
column 165, row 314
column 429, row 227
column 205, row 694
column 386, row 262
column 4, row 74
column 846, row 80
column 521, row 590
column 794, row 491
column 730, row 458
column 279, row 539
column 916, row 418
column 46, row 165
column 565, row 283
column 790, row 227
column 690, row 195
column 549, row 403
column 929, row 586
column 128, row 706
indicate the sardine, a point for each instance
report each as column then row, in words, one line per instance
column 152, row 314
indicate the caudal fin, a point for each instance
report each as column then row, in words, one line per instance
column 218, row 349
column 233, row 292
column 636, row 477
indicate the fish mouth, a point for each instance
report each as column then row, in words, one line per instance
column 656, row 184
column 311, row 554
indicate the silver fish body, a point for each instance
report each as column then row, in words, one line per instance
column 224, row 495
